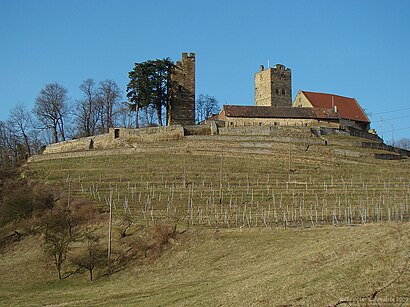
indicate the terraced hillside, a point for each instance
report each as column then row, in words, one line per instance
column 240, row 181
column 261, row 221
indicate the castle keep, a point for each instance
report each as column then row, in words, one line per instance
column 273, row 86
column 182, row 103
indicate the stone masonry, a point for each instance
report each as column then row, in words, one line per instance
column 118, row 138
column 273, row 86
column 182, row 104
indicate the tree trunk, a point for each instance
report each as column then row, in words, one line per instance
column 61, row 126
column 90, row 264
column 168, row 111
column 55, row 134
column 88, row 119
column 159, row 115
column 137, row 109
column 58, row 261
column 27, row 144
column 107, row 118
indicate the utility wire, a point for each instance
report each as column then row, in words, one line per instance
column 396, row 129
column 391, row 111
column 383, row 120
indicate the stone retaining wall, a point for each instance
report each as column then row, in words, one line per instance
column 279, row 131
column 382, row 146
column 93, row 142
column 152, row 134
column 118, row 138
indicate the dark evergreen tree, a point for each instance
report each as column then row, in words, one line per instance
column 149, row 85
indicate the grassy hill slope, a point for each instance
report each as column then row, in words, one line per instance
column 267, row 224
column 318, row 266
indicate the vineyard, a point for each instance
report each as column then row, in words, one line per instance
column 255, row 223
column 231, row 190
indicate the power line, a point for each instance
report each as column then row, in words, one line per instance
column 397, row 129
column 391, row 111
column 377, row 121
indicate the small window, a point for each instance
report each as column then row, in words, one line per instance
column 277, row 91
column 180, row 88
column 283, row 92
column 116, row 133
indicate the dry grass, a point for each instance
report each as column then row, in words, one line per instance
column 222, row 259
column 305, row 188
column 316, row 266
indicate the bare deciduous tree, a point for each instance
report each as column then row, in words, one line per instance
column 22, row 122
column 11, row 146
column 92, row 256
column 57, row 239
column 51, row 108
column 205, row 106
column 110, row 93
column 87, row 109
column 403, row 143
column 125, row 116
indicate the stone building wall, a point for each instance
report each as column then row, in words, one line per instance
column 182, row 104
column 301, row 101
column 263, row 88
column 273, row 86
column 304, row 122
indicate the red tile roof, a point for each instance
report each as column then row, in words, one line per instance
column 278, row 112
column 348, row 108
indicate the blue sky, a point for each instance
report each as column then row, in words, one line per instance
column 356, row 48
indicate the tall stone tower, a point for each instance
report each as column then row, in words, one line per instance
column 273, row 87
column 182, row 103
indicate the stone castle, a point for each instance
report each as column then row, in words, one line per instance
column 272, row 102
column 273, row 113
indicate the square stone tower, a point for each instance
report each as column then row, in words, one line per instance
column 182, row 101
column 273, row 86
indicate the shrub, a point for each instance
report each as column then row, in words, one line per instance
column 17, row 204
column 45, row 197
column 162, row 235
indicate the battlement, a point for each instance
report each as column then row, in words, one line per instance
column 186, row 56
column 278, row 67
column 281, row 67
